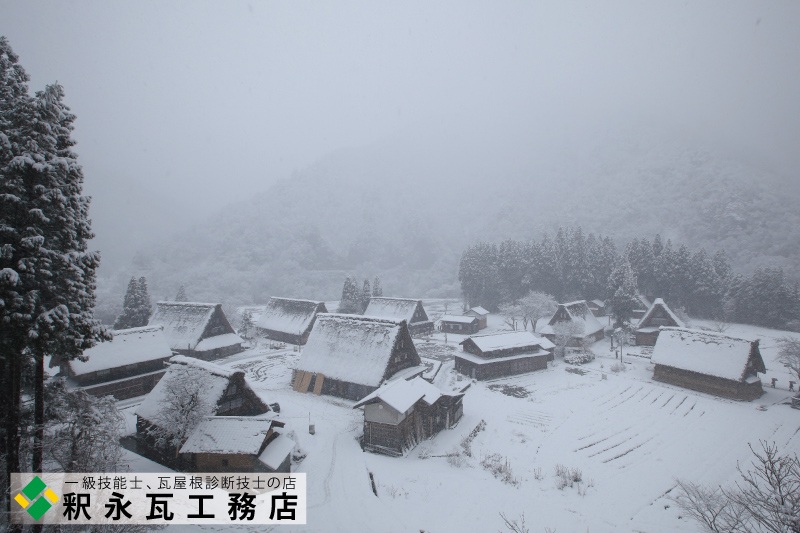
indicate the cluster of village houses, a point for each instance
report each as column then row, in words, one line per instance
column 370, row 359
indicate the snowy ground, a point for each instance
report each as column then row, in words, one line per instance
column 630, row 438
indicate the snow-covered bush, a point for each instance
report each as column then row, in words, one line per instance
column 500, row 468
column 579, row 358
column 466, row 442
column 618, row 367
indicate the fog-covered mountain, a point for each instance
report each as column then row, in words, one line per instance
column 404, row 211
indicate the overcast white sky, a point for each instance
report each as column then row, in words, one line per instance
column 197, row 104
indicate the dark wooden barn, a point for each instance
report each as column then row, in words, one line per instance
column 349, row 356
column 217, row 391
column 597, row 307
column 503, row 354
column 237, row 444
column 657, row 316
column 464, row 325
column 398, row 309
column 129, row 365
column 289, row 320
column 197, row 329
column 403, row 413
column 482, row 315
column 709, row 362
column 577, row 312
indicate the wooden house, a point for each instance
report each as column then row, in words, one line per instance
column 402, row 413
column 503, row 354
column 482, row 315
column 578, row 313
column 289, row 320
column 464, row 325
column 597, row 307
column 197, row 329
column 237, row 444
column 398, row 309
column 349, row 356
column 709, row 362
column 217, row 391
column 129, row 365
column 657, row 316
column 642, row 306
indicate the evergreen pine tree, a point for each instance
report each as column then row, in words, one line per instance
column 377, row 290
column 246, row 329
column 622, row 288
column 47, row 276
column 127, row 317
column 143, row 306
column 181, row 296
column 366, row 293
column 349, row 302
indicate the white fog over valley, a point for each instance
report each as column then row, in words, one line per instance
column 641, row 154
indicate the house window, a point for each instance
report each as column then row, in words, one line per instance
column 103, row 373
column 224, row 462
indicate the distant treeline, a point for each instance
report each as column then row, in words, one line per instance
column 572, row 265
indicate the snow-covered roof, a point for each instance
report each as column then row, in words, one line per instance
column 400, row 394
column 707, row 353
column 289, row 316
column 394, row 308
column 659, row 303
column 127, row 347
column 276, row 451
column 494, row 360
column 228, row 434
column 220, row 341
column 459, row 319
column 506, row 340
column 184, row 322
column 215, row 377
column 598, row 303
column 350, row 348
column 479, row 311
column 579, row 313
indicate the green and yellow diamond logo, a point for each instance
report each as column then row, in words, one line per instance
column 32, row 499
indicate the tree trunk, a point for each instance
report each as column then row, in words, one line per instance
column 13, row 381
column 38, row 436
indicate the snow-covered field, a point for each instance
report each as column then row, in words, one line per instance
column 629, row 437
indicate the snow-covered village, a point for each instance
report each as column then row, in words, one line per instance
column 455, row 267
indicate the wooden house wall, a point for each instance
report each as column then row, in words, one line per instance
column 404, row 355
column 499, row 369
column 460, row 327
column 421, row 328
column 211, row 355
column 717, row 386
column 282, row 336
column 646, row 338
column 120, row 372
column 470, row 347
column 127, row 388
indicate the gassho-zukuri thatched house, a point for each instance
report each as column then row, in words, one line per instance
column 503, row 354
column 237, row 444
column 398, row 309
column 129, row 365
column 289, row 320
column 482, row 315
column 197, row 329
column 218, row 391
column 657, row 316
column 709, row 362
column 350, row 356
column 464, row 325
column 402, row 413
column 577, row 312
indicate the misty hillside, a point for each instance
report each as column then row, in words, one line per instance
column 405, row 212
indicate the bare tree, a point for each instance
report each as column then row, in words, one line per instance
column 536, row 305
column 565, row 331
column 512, row 312
column 184, row 404
column 789, row 354
column 765, row 499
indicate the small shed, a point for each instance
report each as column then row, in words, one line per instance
column 199, row 330
column 402, row 413
column 503, row 354
column 237, row 444
column 216, row 391
column 465, row 325
column 709, row 362
column 398, row 309
column 289, row 320
column 577, row 312
column 481, row 313
column 657, row 316
column 597, row 307
column 349, row 356
column 127, row 366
